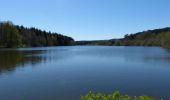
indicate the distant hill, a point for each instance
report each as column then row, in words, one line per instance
column 92, row 42
column 156, row 37
column 12, row 36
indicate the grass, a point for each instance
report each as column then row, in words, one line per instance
column 115, row 96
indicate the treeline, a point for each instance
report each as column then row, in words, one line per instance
column 12, row 36
column 93, row 42
column 157, row 37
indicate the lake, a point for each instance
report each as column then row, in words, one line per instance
column 66, row 73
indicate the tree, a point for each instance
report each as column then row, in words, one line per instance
column 10, row 37
column 20, row 36
column 165, row 40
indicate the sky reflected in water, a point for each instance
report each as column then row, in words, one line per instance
column 62, row 73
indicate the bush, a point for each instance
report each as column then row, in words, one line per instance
column 115, row 96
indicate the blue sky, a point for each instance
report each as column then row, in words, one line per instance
column 88, row 19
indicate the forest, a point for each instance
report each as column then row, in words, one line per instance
column 156, row 37
column 13, row 36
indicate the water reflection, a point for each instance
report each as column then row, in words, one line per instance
column 65, row 73
column 126, row 54
column 10, row 59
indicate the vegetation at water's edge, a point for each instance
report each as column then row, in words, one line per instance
column 115, row 96
column 157, row 37
column 12, row 36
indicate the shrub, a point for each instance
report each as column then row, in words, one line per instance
column 115, row 96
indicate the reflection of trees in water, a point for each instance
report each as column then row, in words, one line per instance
column 11, row 59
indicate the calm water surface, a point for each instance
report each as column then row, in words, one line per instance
column 66, row 73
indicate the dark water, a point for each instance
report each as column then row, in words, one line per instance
column 66, row 73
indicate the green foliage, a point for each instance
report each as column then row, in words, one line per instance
column 157, row 37
column 115, row 96
column 19, row 36
column 9, row 35
column 165, row 40
column 32, row 37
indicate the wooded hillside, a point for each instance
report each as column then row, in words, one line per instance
column 12, row 36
